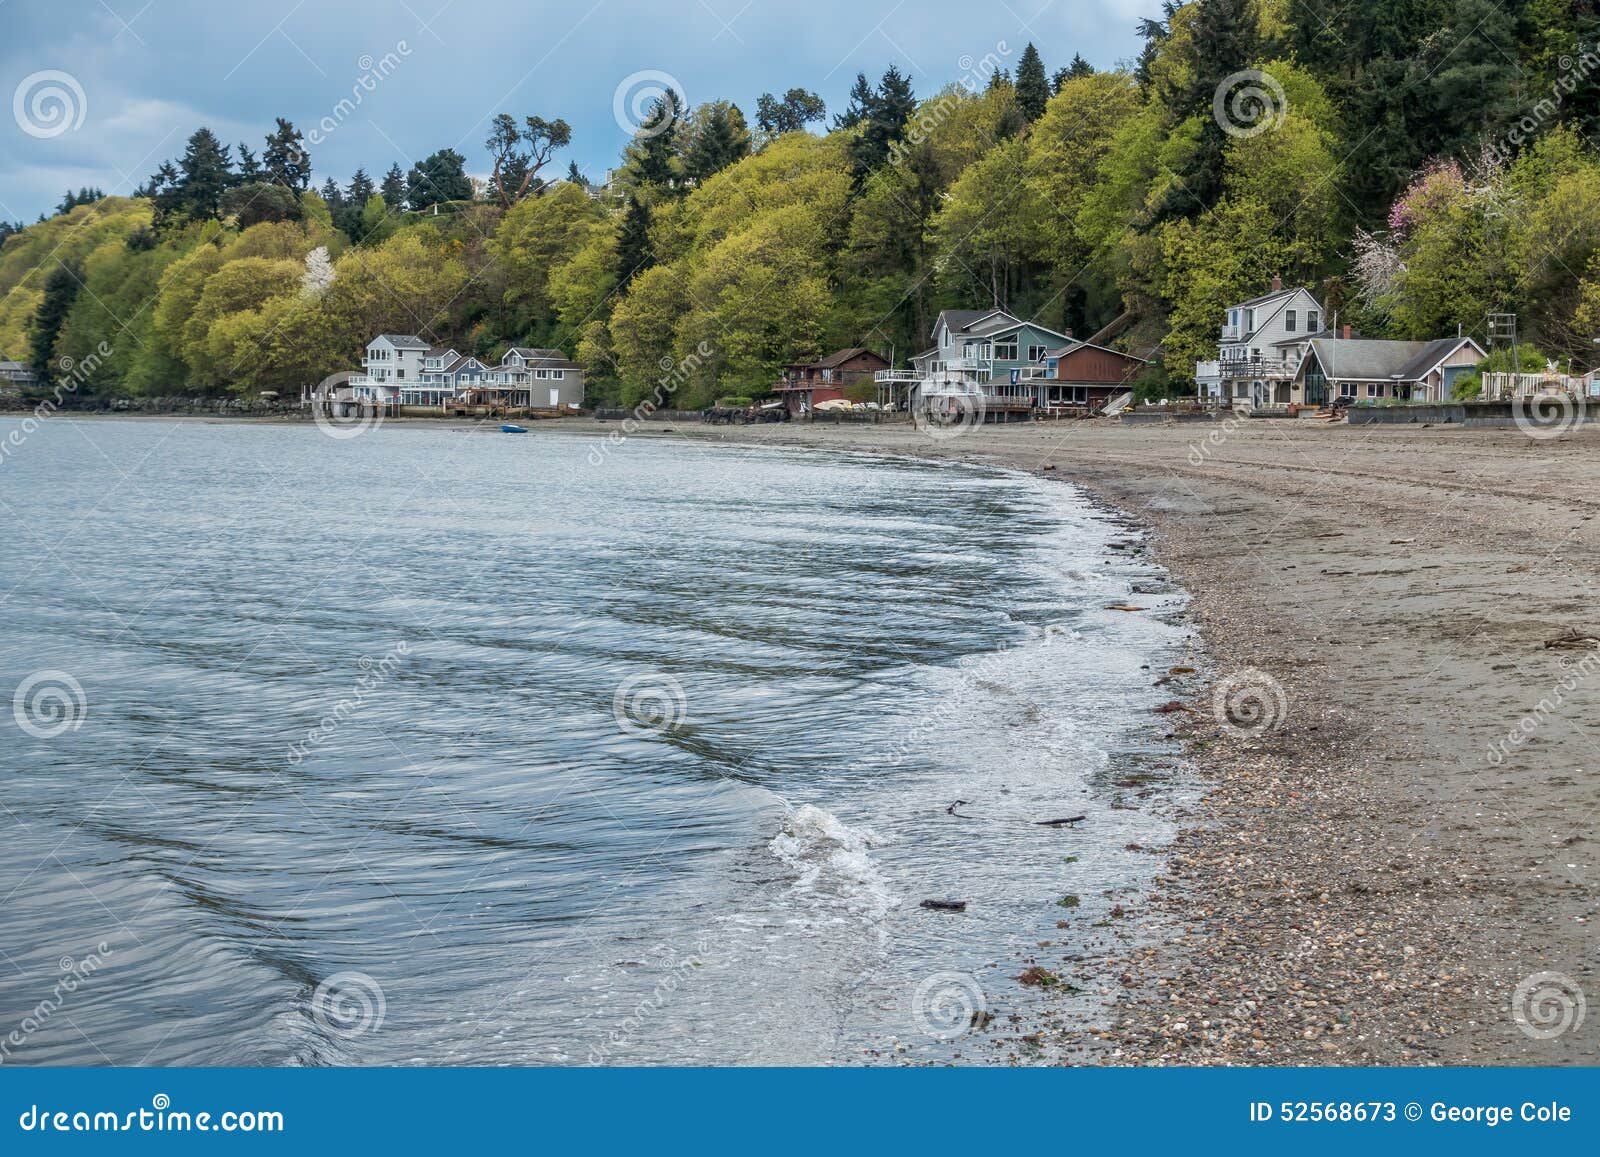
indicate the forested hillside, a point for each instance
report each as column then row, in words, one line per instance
column 1419, row 162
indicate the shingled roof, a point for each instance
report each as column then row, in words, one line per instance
column 1371, row 360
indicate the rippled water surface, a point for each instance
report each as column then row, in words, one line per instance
column 351, row 781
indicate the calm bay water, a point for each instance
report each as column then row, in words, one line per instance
column 350, row 779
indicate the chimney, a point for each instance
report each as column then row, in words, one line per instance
column 1346, row 333
column 1277, row 283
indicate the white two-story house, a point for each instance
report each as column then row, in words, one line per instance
column 393, row 362
column 403, row 370
column 1262, row 344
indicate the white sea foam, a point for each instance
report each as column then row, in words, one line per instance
column 834, row 859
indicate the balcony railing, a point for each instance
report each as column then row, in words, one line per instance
column 1256, row 367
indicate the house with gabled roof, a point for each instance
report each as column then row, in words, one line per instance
column 1084, row 377
column 541, row 378
column 805, row 385
column 1260, row 346
column 1358, row 370
column 987, row 352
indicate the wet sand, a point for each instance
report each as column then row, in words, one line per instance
column 1369, row 878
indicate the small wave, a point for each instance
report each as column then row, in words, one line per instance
column 834, row 860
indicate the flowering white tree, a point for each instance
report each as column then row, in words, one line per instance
column 319, row 273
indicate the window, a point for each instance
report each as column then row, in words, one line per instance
column 1372, row 389
column 1249, row 319
column 1288, row 320
column 399, row 374
column 1005, row 350
column 541, row 374
column 1311, row 321
column 558, row 375
column 1036, row 353
column 1347, row 389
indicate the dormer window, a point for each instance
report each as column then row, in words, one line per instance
column 1311, row 321
column 1288, row 320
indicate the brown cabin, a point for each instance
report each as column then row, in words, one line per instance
column 805, row 384
column 1085, row 376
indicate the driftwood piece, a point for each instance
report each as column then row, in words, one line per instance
column 1573, row 639
column 945, row 905
column 1061, row 823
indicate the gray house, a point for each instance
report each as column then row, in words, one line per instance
column 1259, row 348
column 1364, row 371
column 546, row 377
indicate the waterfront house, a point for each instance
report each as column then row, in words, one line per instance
column 540, row 378
column 805, row 385
column 1261, row 345
column 987, row 353
column 1358, row 370
column 1085, row 377
column 402, row 370
column 15, row 376
column 447, row 376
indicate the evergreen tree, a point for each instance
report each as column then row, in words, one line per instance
column 575, row 175
column 203, row 175
column 1224, row 39
column 332, row 197
column 285, row 160
column 249, row 167
column 634, row 253
column 359, row 190
column 437, row 178
column 883, row 124
column 1033, row 90
column 862, row 102
column 717, row 141
column 60, row 291
column 657, row 145
column 394, row 187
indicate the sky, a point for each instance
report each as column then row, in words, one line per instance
column 102, row 91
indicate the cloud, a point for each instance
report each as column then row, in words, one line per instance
column 233, row 68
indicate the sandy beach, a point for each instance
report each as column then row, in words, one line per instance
column 1370, row 878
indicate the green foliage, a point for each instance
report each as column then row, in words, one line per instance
column 60, row 290
column 717, row 255
column 438, row 178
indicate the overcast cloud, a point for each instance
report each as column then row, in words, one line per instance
column 151, row 71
